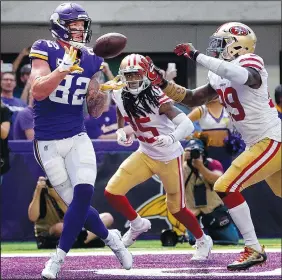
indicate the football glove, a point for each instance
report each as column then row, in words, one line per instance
column 163, row 140
column 114, row 84
column 153, row 73
column 70, row 63
column 122, row 138
column 187, row 50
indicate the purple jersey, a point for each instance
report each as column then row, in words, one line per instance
column 24, row 121
column 106, row 124
column 61, row 114
column 15, row 105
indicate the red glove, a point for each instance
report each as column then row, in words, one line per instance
column 153, row 73
column 187, row 50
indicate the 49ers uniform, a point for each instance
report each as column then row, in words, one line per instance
column 255, row 117
column 148, row 160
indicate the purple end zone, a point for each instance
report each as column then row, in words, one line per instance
column 170, row 266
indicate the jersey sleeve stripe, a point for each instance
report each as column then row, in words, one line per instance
column 39, row 52
column 164, row 100
column 38, row 56
column 251, row 65
column 251, row 59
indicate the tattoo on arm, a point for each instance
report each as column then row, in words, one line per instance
column 199, row 96
column 254, row 78
column 96, row 99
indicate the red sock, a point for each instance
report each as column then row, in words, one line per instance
column 233, row 199
column 121, row 204
column 188, row 219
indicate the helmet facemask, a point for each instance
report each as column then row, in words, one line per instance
column 134, row 80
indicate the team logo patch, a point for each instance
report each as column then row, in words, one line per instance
column 239, row 31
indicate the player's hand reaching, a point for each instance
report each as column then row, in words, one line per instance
column 187, row 50
column 153, row 73
column 70, row 63
column 122, row 138
column 163, row 140
column 114, row 84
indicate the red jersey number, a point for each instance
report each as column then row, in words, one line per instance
column 230, row 97
column 137, row 127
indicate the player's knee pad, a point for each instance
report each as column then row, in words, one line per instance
column 86, row 175
column 65, row 191
column 173, row 203
column 56, row 171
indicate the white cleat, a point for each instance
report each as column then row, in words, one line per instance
column 203, row 249
column 131, row 235
column 52, row 267
column 117, row 246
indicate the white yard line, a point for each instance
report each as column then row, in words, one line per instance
column 135, row 253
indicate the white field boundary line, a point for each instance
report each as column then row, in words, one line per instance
column 135, row 253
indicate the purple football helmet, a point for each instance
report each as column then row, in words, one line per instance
column 63, row 16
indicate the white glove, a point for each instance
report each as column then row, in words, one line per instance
column 69, row 62
column 164, row 140
column 122, row 139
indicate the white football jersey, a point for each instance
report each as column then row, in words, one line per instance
column 251, row 110
column 146, row 128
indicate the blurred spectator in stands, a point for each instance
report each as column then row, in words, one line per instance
column 47, row 211
column 24, row 72
column 215, row 124
column 105, row 126
column 24, row 77
column 278, row 100
column 108, row 75
column 6, row 116
column 200, row 172
column 24, row 125
column 8, row 84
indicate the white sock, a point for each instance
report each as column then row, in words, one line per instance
column 61, row 254
column 204, row 237
column 241, row 216
column 137, row 222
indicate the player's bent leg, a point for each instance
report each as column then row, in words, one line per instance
column 248, row 167
column 133, row 171
column 171, row 175
column 274, row 182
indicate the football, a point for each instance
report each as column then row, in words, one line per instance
column 110, row 45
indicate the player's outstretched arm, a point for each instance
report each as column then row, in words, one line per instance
column 184, row 126
column 188, row 97
column 96, row 99
column 235, row 73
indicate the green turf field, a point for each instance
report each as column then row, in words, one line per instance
column 30, row 247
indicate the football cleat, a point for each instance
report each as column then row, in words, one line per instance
column 52, row 267
column 248, row 258
column 117, row 246
column 203, row 249
column 131, row 235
